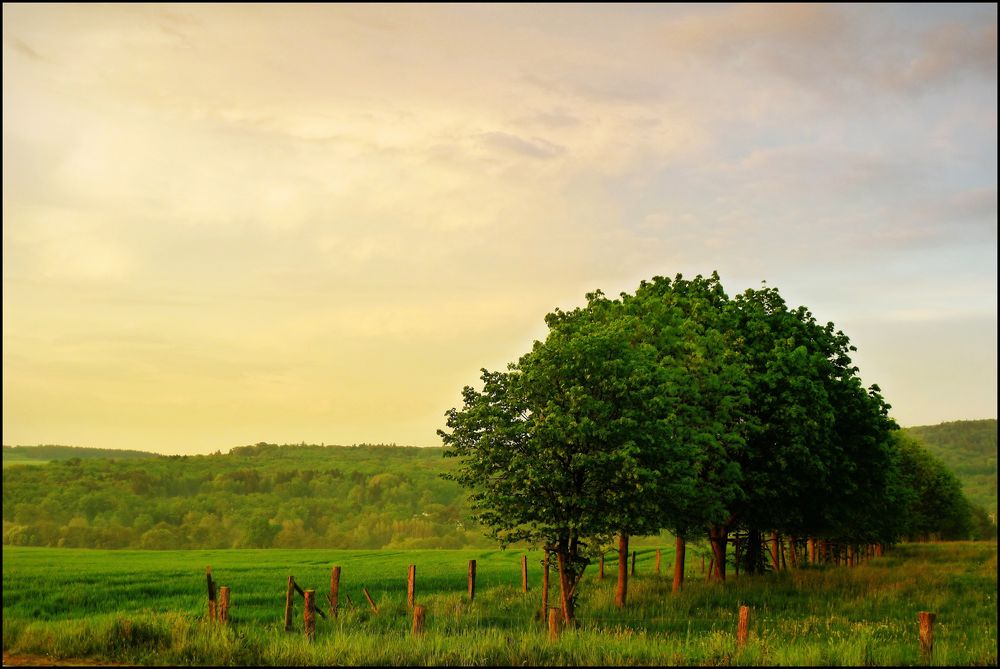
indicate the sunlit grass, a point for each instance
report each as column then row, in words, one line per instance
column 149, row 608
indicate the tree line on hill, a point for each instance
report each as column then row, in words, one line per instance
column 968, row 448
column 679, row 408
column 261, row 496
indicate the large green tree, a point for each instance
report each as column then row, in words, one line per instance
column 575, row 442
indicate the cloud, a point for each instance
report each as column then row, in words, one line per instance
column 22, row 48
column 837, row 49
column 512, row 144
column 947, row 53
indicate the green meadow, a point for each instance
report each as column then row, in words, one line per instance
column 149, row 607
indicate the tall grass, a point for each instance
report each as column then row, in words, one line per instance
column 148, row 608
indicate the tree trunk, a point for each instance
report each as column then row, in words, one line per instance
column 545, row 586
column 621, row 590
column 792, row 551
column 775, row 557
column 569, row 578
column 752, row 556
column 736, row 550
column 564, row 585
column 679, row 547
column 718, row 536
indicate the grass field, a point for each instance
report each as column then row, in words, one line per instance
column 148, row 607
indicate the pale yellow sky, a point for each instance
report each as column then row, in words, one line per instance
column 224, row 224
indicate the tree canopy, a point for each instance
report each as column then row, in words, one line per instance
column 679, row 408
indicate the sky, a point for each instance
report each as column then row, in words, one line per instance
column 225, row 224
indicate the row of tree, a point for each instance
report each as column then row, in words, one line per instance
column 679, row 408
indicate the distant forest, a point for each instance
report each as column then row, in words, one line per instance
column 302, row 496
column 968, row 448
column 256, row 496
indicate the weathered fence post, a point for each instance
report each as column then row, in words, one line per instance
column 472, row 580
column 211, row 593
column 309, row 614
column 555, row 620
column 418, row 619
column 334, row 591
column 743, row 627
column 411, row 583
column 600, row 572
column 632, row 572
column 524, row 573
column 289, row 598
column 224, row 604
column 657, row 562
column 926, row 634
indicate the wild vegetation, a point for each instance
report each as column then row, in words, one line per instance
column 149, row 607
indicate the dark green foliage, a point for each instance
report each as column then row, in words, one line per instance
column 257, row 496
column 938, row 508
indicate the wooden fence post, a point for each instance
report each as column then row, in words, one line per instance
column 371, row 602
column 211, row 593
column 418, row 619
column 524, row 573
column 309, row 614
column 472, row 580
column 632, row 572
column 657, row 561
column 289, row 598
column 334, row 591
column 600, row 573
column 743, row 627
column 555, row 618
column 926, row 634
column 411, row 583
column 224, row 604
